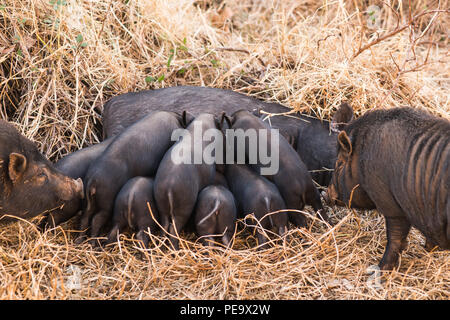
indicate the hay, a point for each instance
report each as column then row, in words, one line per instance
column 61, row 60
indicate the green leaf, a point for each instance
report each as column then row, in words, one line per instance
column 149, row 79
column 214, row 62
column 161, row 78
column 169, row 61
column 84, row 45
column 79, row 38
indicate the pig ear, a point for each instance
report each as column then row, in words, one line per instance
column 345, row 142
column 224, row 118
column 17, row 166
column 257, row 112
column 343, row 115
column 291, row 141
column 186, row 118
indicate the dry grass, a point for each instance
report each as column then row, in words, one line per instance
column 61, row 60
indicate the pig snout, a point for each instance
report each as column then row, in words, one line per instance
column 79, row 188
column 326, row 197
column 331, row 197
column 71, row 188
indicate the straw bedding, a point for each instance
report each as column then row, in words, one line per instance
column 61, row 60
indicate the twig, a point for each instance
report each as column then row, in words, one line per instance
column 395, row 31
column 240, row 50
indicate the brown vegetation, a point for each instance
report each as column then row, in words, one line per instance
column 60, row 60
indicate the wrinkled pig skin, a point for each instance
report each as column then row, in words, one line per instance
column 30, row 183
column 397, row 161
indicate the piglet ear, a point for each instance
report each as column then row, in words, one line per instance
column 345, row 143
column 291, row 141
column 186, row 118
column 343, row 115
column 17, row 166
column 257, row 112
column 225, row 121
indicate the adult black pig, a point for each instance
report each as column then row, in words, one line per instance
column 74, row 165
column 397, row 161
column 178, row 181
column 137, row 151
column 291, row 178
column 30, row 183
column 314, row 139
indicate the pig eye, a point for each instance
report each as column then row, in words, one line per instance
column 43, row 175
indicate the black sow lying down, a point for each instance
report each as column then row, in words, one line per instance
column 397, row 161
column 30, row 185
column 313, row 139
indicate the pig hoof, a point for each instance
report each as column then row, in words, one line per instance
column 96, row 243
column 322, row 214
column 430, row 246
column 80, row 240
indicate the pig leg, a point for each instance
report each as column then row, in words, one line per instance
column 143, row 236
column 261, row 229
column 298, row 219
column 173, row 237
column 262, row 240
column 98, row 222
column 430, row 244
column 115, row 231
column 113, row 234
column 313, row 199
column 226, row 239
column 206, row 228
column 397, row 229
column 208, row 241
column 168, row 230
column 46, row 223
column 84, row 225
